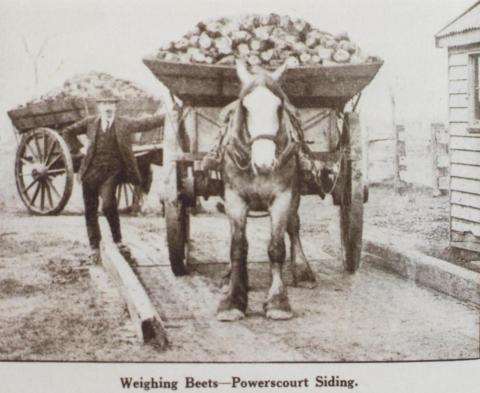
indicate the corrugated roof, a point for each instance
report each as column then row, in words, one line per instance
column 468, row 20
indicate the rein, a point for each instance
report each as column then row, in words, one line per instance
column 241, row 152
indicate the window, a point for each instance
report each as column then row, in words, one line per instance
column 476, row 92
column 474, row 89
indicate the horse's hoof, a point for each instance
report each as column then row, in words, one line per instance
column 279, row 315
column 304, row 277
column 278, row 308
column 230, row 315
column 306, row 284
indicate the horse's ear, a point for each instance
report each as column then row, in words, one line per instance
column 243, row 73
column 277, row 74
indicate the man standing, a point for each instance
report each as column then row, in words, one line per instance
column 109, row 157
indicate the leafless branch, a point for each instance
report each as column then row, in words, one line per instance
column 44, row 44
column 25, row 45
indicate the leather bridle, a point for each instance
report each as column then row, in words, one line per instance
column 241, row 152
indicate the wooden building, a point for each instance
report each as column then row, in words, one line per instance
column 461, row 37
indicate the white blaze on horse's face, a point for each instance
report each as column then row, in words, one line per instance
column 262, row 117
column 262, row 107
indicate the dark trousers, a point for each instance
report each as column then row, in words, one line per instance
column 92, row 190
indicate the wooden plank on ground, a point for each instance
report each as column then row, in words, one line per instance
column 142, row 259
column 464, row 199
column 400, row 255
column 148, row 324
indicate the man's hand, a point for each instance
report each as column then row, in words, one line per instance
column 160, row 110
column 85, row 144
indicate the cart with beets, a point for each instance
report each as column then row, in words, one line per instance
column 45, row 165
column 321, row 94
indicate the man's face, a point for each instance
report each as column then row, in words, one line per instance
column 107, row 110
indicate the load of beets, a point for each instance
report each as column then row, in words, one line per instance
column 92, row 85
column 263, row 40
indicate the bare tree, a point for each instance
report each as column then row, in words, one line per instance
column 35, row 57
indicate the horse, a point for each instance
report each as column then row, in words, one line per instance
column 260, row 169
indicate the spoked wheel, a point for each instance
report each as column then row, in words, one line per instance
column 351, row 194
column 44, row 171
column 129, row 198
column 177, row 221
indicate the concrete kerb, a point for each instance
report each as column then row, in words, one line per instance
column 401, row 258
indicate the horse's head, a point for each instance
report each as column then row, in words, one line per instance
column 262, row 102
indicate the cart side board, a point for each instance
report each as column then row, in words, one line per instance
column 215, row 85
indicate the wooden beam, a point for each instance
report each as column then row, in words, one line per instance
column 459, row 39
column 148, row 324
column 400, row 256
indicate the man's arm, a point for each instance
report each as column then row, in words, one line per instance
column 146, row 124
column 70, row 133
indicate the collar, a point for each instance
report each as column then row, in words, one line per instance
column 103, row 123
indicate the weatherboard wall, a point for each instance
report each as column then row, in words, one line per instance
column 464, row 150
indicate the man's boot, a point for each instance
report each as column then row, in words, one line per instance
column 95, row 257
column 125, row 252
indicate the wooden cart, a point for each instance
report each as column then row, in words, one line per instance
column 45, row 164
column 333, row 134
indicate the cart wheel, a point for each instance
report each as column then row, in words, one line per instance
column 177, row 220
column 44, row 171
column 351, row 194
column 129, row 198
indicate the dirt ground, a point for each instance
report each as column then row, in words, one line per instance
column 55, row 308
column 50, row 307
column 418, row 216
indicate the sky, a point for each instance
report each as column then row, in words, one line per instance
column 114, row 36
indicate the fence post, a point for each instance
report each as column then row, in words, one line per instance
column 366, row 147
column 440, row 158
column 400, row 158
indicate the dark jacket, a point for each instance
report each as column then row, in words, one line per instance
column 123, row 127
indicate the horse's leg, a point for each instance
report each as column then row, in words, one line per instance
column 302, row 273
column 225, row 280
column 234, row 303
column 277, row 305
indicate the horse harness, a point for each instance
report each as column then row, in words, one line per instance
column 240, row 153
